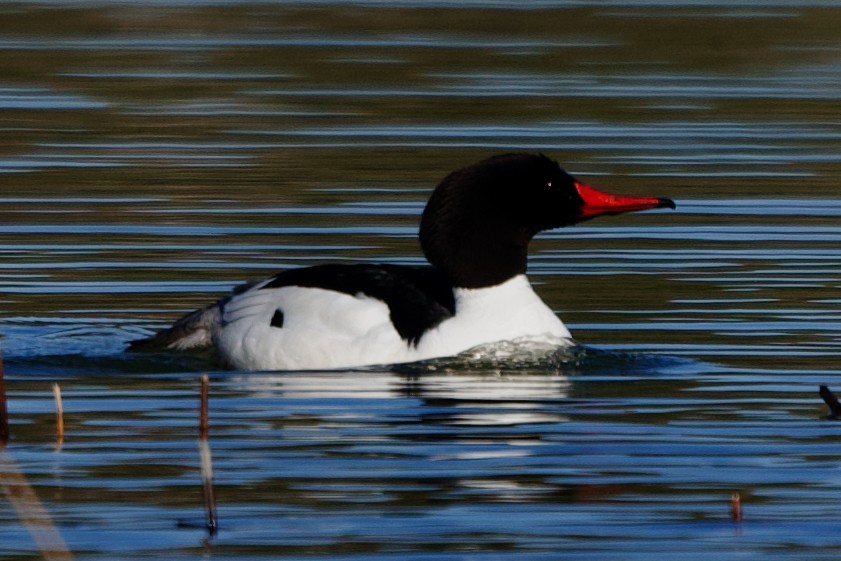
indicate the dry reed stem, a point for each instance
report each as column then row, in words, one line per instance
column 736, row 507
column 59, row 415
column 206, row 459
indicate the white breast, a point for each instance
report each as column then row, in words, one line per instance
column 504, row 312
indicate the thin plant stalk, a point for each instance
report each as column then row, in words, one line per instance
column 736, row 507
column 59, row 415
column 206, row 459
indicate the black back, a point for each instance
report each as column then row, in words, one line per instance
column 418, row 298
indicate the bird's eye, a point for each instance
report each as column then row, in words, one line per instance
column 549, row 184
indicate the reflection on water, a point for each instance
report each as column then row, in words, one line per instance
column 155, row 156
column 395, row 464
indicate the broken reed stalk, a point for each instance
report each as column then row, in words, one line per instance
column 206, row 460
column 831, row 402
column 4, row 412
column 59, row 415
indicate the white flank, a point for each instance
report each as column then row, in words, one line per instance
column 323, row 329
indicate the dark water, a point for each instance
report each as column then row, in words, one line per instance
column 155, row 155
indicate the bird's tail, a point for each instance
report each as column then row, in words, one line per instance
column 194, row 331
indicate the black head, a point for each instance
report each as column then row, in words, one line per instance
column 480, row 219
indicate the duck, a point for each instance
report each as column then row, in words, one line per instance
column 474, row 232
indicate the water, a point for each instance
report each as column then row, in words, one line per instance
column 155, row 156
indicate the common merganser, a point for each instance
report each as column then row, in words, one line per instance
column 475, row 232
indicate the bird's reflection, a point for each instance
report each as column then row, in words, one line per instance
column 508, row 386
